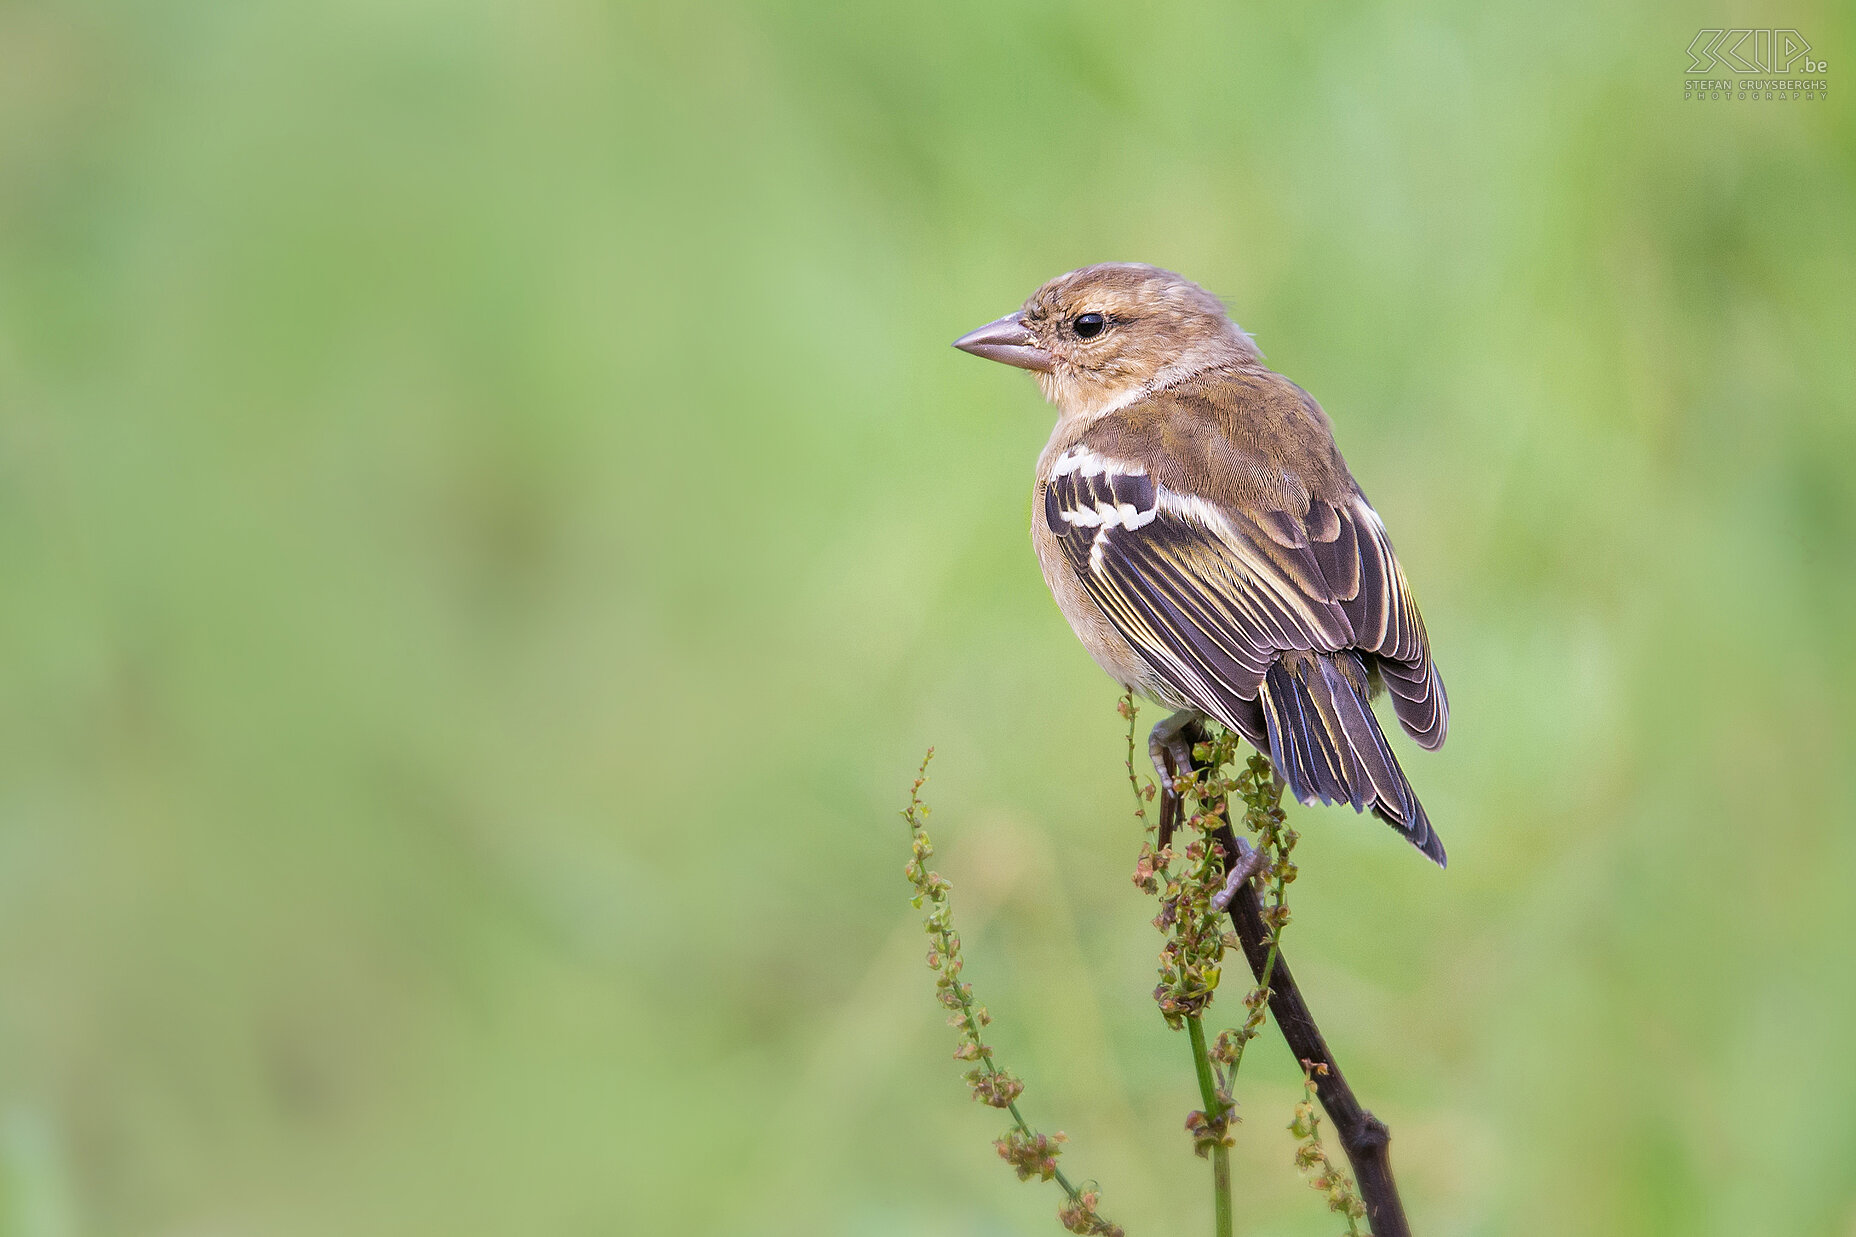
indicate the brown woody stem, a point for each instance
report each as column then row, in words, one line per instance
column 1365, row 1137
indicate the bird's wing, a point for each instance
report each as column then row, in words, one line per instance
column 1210, row 592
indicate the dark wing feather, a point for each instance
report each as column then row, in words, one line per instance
column 1326, row 744
column 1210, row 597
column 1335, row 544
column 1203, row 609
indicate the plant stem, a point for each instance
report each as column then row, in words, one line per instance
column 1269, row 965
column 1363, row 1136
column 1029, row 1153
column 1215, row 1115
column 969, row 1008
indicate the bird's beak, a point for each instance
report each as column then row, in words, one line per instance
column 1008, row 340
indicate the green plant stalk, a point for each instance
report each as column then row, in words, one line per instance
column 1214, row 1113
column 1263, row 984
column 967, row 1007
column 1029, row 1153
column 1312, row 1158
column 1190, row 972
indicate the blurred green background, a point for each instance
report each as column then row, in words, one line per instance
column 489, row 520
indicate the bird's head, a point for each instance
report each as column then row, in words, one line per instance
column 1098, row 337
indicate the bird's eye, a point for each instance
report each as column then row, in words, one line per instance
column 1088, row 326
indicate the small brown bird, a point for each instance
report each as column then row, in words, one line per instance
column 1204, row 538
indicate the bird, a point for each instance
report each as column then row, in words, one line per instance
column 1207, row 543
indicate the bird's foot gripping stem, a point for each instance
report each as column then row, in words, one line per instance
column 1245, row 865
column 1169, row 746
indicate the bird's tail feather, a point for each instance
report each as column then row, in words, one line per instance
column 1327, row 744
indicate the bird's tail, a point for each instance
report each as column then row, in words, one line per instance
column 1327, row 744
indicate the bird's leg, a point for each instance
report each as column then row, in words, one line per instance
column 1169, row 746
column 1246, row 864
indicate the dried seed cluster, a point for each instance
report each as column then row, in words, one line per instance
column 1031, row 1154
column 1312, row 1157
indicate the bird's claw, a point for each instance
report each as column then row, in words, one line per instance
column 1250, row 862
column 1169, row 746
